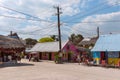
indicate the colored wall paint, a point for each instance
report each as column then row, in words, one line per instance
column 113, row 54
column 96, row 54
column 70, row 48
column 113, row 57
column 113, row 61
column 97, row 60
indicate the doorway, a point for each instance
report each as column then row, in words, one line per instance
column 102, row 57
column 69, row 57
column 40, row 55
column 50, row 56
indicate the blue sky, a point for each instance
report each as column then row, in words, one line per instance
column 78, row 16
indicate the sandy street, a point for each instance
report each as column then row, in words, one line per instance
column 48, row 70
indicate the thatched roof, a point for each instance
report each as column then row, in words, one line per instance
column 82, row 49
column 6, row 43
column 88, row 42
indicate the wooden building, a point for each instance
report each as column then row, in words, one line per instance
column 10, row 47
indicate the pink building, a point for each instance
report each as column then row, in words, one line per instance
column 48, row 51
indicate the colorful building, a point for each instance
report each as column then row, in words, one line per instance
column 48, row 50
column 107, row 49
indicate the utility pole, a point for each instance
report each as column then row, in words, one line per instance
column 59, row 33
column 98, row 32
column 59, row 30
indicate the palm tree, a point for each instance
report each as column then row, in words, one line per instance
column 76, row 38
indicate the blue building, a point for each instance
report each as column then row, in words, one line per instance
column 107, row 48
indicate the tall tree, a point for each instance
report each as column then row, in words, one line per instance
column 46, row 39
column 76, row 38
column 72, row 37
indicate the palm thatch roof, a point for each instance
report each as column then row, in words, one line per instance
column 7, row 43
column 82, row 49
column 89, row 42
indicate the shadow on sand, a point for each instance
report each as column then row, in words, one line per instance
column 15, row 65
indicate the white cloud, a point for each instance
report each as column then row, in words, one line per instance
column 113, row 2
column 105, row 27
column 41, row 8
column 44, row 10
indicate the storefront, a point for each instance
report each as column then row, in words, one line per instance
column 10, row 49
column 107, row 49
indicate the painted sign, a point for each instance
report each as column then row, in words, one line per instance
column 113, row 54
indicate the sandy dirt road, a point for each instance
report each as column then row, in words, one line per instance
column 48, row 70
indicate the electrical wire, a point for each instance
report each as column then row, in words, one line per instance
column 96, row 21
column 25, row 14
column 64, row 22
column 91, row 13
column 76, row 30
column 80, row 27
column 83, row 12
column 21, row 18
column 32, row 32
column 42, row 34
column 50, row 25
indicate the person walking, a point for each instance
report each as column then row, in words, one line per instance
column 78, row 58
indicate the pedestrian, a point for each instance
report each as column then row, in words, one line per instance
column 0, row 59
column 78, row 57
column 30, row 56
column 10, row 58
column 19, row 59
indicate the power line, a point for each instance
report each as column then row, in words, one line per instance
column 92, row 12
column 51, row 25
column 19, row 12
column 77, row 30
column 83, row 12
column 80, row 27
column 65, row 22
column 32, row 32
column 24, row 14
column 96, row 21
column 23, row 18
column 48, row 31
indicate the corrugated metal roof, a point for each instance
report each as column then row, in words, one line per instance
column 109, row 42
column 47, row 47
